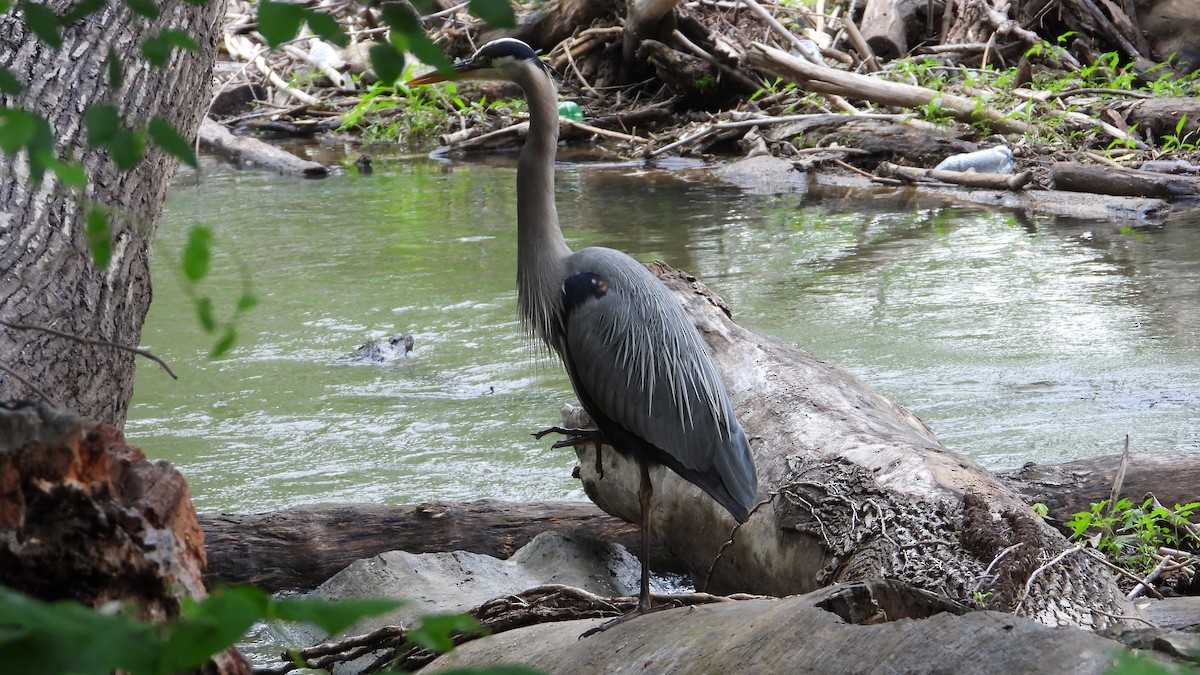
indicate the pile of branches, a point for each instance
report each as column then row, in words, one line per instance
column 1074, row 80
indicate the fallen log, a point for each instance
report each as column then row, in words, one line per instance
column 1071, row 487
column 301, row 548
column 298, row 549
column 1075, row 177
column 241, row 150
column 991, row 181
column 852, row 487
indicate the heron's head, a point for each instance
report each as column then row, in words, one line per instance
column 502, row 59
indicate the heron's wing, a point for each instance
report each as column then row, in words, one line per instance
column 636, row 359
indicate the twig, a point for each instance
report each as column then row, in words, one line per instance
column 16, row 376
column 604, row 132
column 1034, row 574
column 1154, row 574
column 1118, row 479
column 1121, row 570
column 90, row 341
column 996, row 561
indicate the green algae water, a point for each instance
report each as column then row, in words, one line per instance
column 1016, row 339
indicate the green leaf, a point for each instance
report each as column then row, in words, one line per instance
column 98, row 238
column 206, row 315
column 5, row 5
column 102, row 124
column 145, row 8
column 388, row 62
column 196, row 253
column 157, row 48
column 66, row 637
column 70, row 173
column 43, row 22
column 127, row 148
column 116, row 71
column 9, row 84
column 224, row 344
column 82, row 11
column 280, row 21
column 436, row 631
column 165, row 137
column 332, row 617
column 326, row 27
column 17, row 129
column 211, row 626
column 408, row 34
column 497, row 13
column 247, row 302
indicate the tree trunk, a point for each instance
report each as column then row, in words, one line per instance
column 47, row 276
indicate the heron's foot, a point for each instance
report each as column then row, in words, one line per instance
column 573, row 436
column 639, row 611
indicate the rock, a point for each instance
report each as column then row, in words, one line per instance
column 764, row 175
column 458, row 581
column 385, row 350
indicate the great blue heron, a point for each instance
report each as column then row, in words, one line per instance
column 634, row 357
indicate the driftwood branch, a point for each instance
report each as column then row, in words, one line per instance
column 239, row 149
column 991, row 181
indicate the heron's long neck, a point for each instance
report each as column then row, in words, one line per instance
column 541, row 248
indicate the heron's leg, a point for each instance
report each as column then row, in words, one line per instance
column 645, row 498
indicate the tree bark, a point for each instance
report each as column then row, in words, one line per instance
column 47, row 276
column 1076, row 177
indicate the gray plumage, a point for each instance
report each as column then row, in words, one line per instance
column 634, row 357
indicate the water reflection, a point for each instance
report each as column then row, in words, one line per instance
column 1016, row 339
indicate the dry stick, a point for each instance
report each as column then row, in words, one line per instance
column 604, row 132
column 571, row 61
column 765, row 121
column 1118, row 479
column 725, row 70
column 860, row 44
column 830, row 80
column 234, row 45
column 1034, row 574
column 1122, row 571
column 1154, row 574
column 90, row 341
column 995, row 561
column 993, row 181
column 796, row 42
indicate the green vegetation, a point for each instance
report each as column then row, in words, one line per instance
column 65, row 637
column 1129, row 533
column 395, row 113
